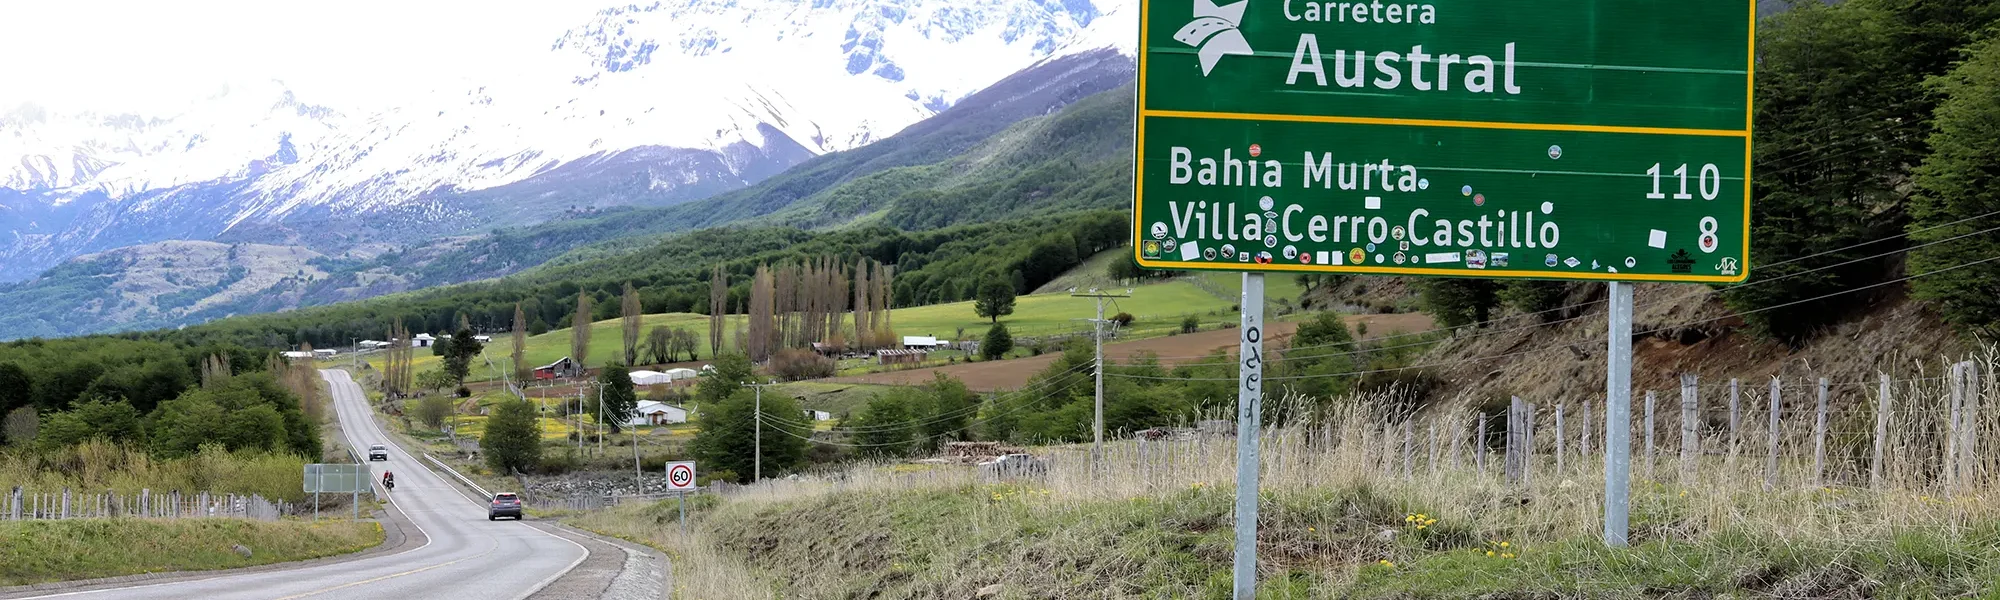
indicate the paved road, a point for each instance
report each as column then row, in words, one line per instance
column 466, row 556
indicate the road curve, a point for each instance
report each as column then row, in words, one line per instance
column 466, row 556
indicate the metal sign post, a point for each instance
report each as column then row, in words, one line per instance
column 680, row 481
column 1599, row 140
column 1618, row 417
column 1249, row 422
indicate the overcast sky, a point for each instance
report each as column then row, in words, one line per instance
column 149, row 55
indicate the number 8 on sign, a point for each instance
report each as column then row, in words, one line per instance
column 1708, row 241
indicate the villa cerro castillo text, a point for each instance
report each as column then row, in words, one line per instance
column 1336, row 201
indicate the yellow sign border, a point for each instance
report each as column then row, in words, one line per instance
column 1139, row 171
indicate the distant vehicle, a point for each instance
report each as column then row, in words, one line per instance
column 378, row 452
column 505, row 504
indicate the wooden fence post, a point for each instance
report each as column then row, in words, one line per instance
column 1434, row 446
column 145, row 502
column 1560, row 439
column 1409, row 446
column 1819, row 437
column 1735, row 423
column 1589, row 425
column 1512, row 462
column 1388, row 449
column 1479, row 450
column 1690, row 418
column 14, row 504
column 1771, row 467
column 1968, row 456
column 1881, row 431
column 65, row 503
column 1457, row 442
column 1527, row 442
column 1951, row 428
column 1649, row 435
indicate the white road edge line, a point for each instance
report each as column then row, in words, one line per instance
column 392, row 504
column 532, row 590
column 537, row 588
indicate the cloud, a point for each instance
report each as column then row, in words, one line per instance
column 115, row 55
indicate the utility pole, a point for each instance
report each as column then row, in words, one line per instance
column 757, row 466
column 1097, row 329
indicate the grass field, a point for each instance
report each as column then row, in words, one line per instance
column 836, row 398
column 1277, row 286
column 1349, row 512
column 44, row 551
column 1157, row 308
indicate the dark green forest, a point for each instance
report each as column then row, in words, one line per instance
column 167, row 397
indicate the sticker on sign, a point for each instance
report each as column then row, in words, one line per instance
column 680, row 476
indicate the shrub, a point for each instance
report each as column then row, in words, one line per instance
column 432, row 410
column 1532, row 296
column 1460, row 302
column 1190, row 324
column 998, row 342
column 512, row 442
column 1123, row 319
column 795, row 364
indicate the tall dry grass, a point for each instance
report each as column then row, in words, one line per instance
column 1723, row 490
column 699, row 570
column 96, row 466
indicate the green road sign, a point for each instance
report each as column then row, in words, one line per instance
column 337, row 478
column 1592, row 140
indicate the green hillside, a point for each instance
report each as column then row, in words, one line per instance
column 1156, row 307
column 1027, row 203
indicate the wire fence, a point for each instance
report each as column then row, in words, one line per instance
column 23, row 504
column 1836, row 461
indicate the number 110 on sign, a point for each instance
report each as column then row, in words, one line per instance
column 1710, row 181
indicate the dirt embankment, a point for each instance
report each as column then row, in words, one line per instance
column 1686, row 329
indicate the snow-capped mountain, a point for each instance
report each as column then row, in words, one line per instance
column 657, row 103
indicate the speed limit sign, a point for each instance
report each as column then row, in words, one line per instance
column 680, row 476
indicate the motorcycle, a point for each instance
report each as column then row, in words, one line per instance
column 389, row 484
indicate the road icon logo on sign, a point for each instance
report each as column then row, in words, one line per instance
column 1681, row 261
column 1213, row 32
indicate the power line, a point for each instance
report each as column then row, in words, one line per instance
column 1545, row 349
column 1287, row 356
